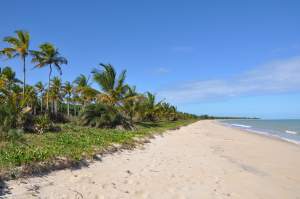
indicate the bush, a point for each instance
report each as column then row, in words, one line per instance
column 8, row 118
column 15, row 134
column 58, row 118
column 42, row 124
column 103, row 116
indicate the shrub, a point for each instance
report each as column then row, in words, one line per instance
column 8, row 118
column 42, row 124
column 58, row 118
column 103, row 116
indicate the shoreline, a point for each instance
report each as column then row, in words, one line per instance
column 259, row 133
column 202, row 160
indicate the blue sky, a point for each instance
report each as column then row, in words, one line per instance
column 212, row 57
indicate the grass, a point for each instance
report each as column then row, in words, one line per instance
column 74, row 143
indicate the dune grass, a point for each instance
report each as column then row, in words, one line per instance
column 73, row 143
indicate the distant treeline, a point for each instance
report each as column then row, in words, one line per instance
column 224, row 117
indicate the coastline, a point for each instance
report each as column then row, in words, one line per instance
column 202, row 160
column 258, row 132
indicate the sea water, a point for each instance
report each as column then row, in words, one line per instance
column 288, row 130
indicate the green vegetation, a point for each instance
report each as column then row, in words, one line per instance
column 73, row 143
column 41, row 122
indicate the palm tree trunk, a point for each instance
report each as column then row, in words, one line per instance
column 69, row 106
column 41, row 103
column 49, row 80
column 55, row 107
column 24, row 75
column 51, row 106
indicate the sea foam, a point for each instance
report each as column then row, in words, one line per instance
column 291, row 132
column 241, row 125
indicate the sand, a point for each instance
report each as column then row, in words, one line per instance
column 202, row 160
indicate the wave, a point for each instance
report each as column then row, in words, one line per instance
column 267, row 133
column 241, row 125
column 291, row 132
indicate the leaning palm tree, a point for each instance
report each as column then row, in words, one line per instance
column 68, row 90
column 40, row 88
column 113, row 87
column 19, row 47
column 48, row 56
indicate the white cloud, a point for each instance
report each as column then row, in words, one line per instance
column 162, row 70
column 273, row 77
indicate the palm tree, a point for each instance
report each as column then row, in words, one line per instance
column 40, row 87
column 48, row 56
column 31, row 98
column 55, row 93
column 68, row 90
column 19, row 47
column 151, row 108
column 113, row 88
column 84, row 89
column 9, row 75
column 132, row 102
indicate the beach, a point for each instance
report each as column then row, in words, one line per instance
column 202, row 160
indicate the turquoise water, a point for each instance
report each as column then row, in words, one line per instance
column 288, row 130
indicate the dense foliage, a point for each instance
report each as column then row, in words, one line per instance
column 37, row 108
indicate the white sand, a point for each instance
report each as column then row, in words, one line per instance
column 203, row 160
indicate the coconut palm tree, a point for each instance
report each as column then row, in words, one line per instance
column 19, row 47
column 84, row 89
column 132, row 102
column 40, row 88
column 48, row 55
column 151, row 107
column 68, row 90
column 55, row 93
column 113, row 87
column 31, row 98
column 10, row 75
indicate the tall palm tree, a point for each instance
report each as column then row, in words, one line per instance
column 40, row 87
column 48, row 55
column 113, row 87
column 55, row 93
column 68, row 90
column 19, row 47
column 31, row 98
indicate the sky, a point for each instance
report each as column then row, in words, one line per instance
column 225, row 58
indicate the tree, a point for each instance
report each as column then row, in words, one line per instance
column 150, row 106
column 40, row 88
column 113, row 88
column 10, row 76
column 48, row 55
column 55, row 93
column 68, row 90
column 19, row 47
column 84, row 90
column 31, row 98
column 132, row 102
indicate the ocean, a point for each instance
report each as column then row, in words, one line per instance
column 288, row 130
